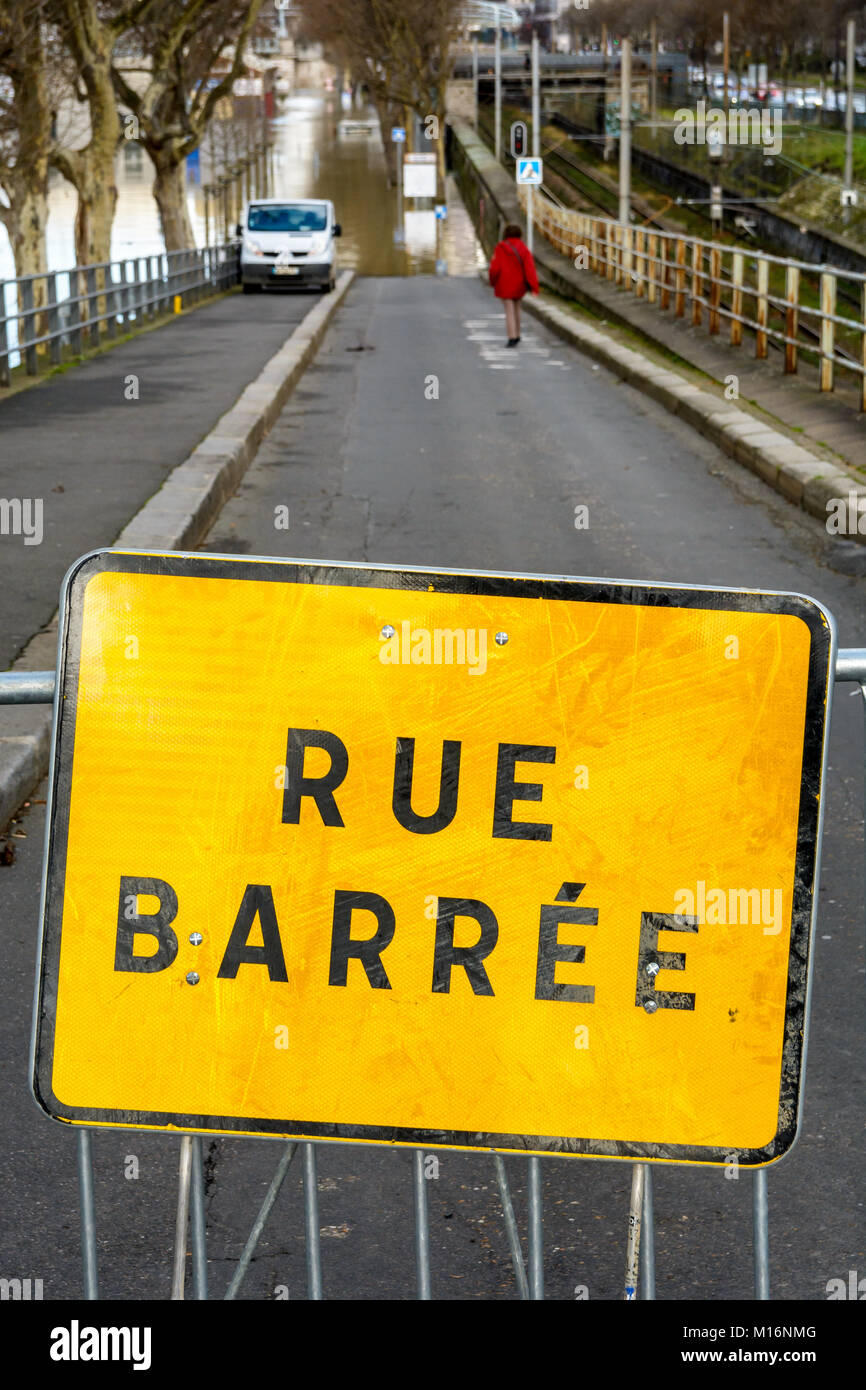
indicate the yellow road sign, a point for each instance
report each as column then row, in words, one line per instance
column 432, row 858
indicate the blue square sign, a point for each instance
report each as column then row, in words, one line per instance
column 529, row 171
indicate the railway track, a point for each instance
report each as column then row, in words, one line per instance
column 597, row 195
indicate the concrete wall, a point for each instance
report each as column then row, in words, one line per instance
column 460, row 99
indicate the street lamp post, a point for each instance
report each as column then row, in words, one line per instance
column 536, row 138
column 654, row 71
column 497, row 82
column 849, row 118
column 625, row 133
column 536, row 99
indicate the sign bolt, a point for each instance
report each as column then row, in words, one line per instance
column 195, row 938
column 650, row 1005
column 192, row 978
column 501, row 638
column 388, row 630
column 653, row 968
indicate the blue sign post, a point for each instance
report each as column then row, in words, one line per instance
column 398, row 137
column 530, row 171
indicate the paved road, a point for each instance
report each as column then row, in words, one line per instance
column 486, row 476
column 94, row 457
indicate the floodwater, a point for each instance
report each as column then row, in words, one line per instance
column 315, row 156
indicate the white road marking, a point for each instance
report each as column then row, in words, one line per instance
column 488, row 334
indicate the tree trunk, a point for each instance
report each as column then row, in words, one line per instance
column 387, row 119
column 440, row 143
column 26, row 228
column 97, row 198
column 27, row 237
column 169, row 190
column 91, row 170
column 26, row 181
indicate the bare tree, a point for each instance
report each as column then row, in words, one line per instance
column 176, row 98
column 400, row 49
column 25, row 132
column 90, row 29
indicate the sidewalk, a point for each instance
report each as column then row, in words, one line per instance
column 828, row 424
column 93, row 451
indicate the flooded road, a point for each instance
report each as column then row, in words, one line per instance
column 315, row 156
column 321, row 152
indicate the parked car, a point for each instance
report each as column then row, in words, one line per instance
column 288, row 243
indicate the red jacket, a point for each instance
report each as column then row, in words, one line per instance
column 512, row 270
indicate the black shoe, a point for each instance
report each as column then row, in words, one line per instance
column 512, row 342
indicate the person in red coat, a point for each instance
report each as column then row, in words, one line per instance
column 512, row 273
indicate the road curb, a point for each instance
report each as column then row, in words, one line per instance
column 190, row 499
column 799, row 475
column 175, row 518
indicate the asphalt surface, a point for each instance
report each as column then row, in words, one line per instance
column 487, row 476
column 94, row 457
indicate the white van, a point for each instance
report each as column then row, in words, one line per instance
column 286, row 242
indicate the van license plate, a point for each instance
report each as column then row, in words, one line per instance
column 286, row 269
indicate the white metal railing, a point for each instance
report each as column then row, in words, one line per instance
column 42, row 315
column 720, row 282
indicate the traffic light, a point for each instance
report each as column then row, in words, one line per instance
column 519, row 139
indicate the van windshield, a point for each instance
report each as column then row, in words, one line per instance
column 288, row 218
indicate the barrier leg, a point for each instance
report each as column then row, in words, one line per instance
column 198, row 1223
column 511, row 1228
column 422, row 1226
column 88, row 1216
column 635, row 1215
column 761, row 1226
column 248, row 1251
column 178, row 1275
column 311, row 1224
column 536, row 1233
column 648, row 1240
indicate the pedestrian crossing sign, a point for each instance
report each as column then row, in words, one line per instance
column 529, row 171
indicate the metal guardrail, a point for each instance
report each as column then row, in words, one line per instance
column 665, row 267
column 38, row 687
column 42, row 315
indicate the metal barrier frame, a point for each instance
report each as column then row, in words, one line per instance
column 111, row 293
column 37, row 687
